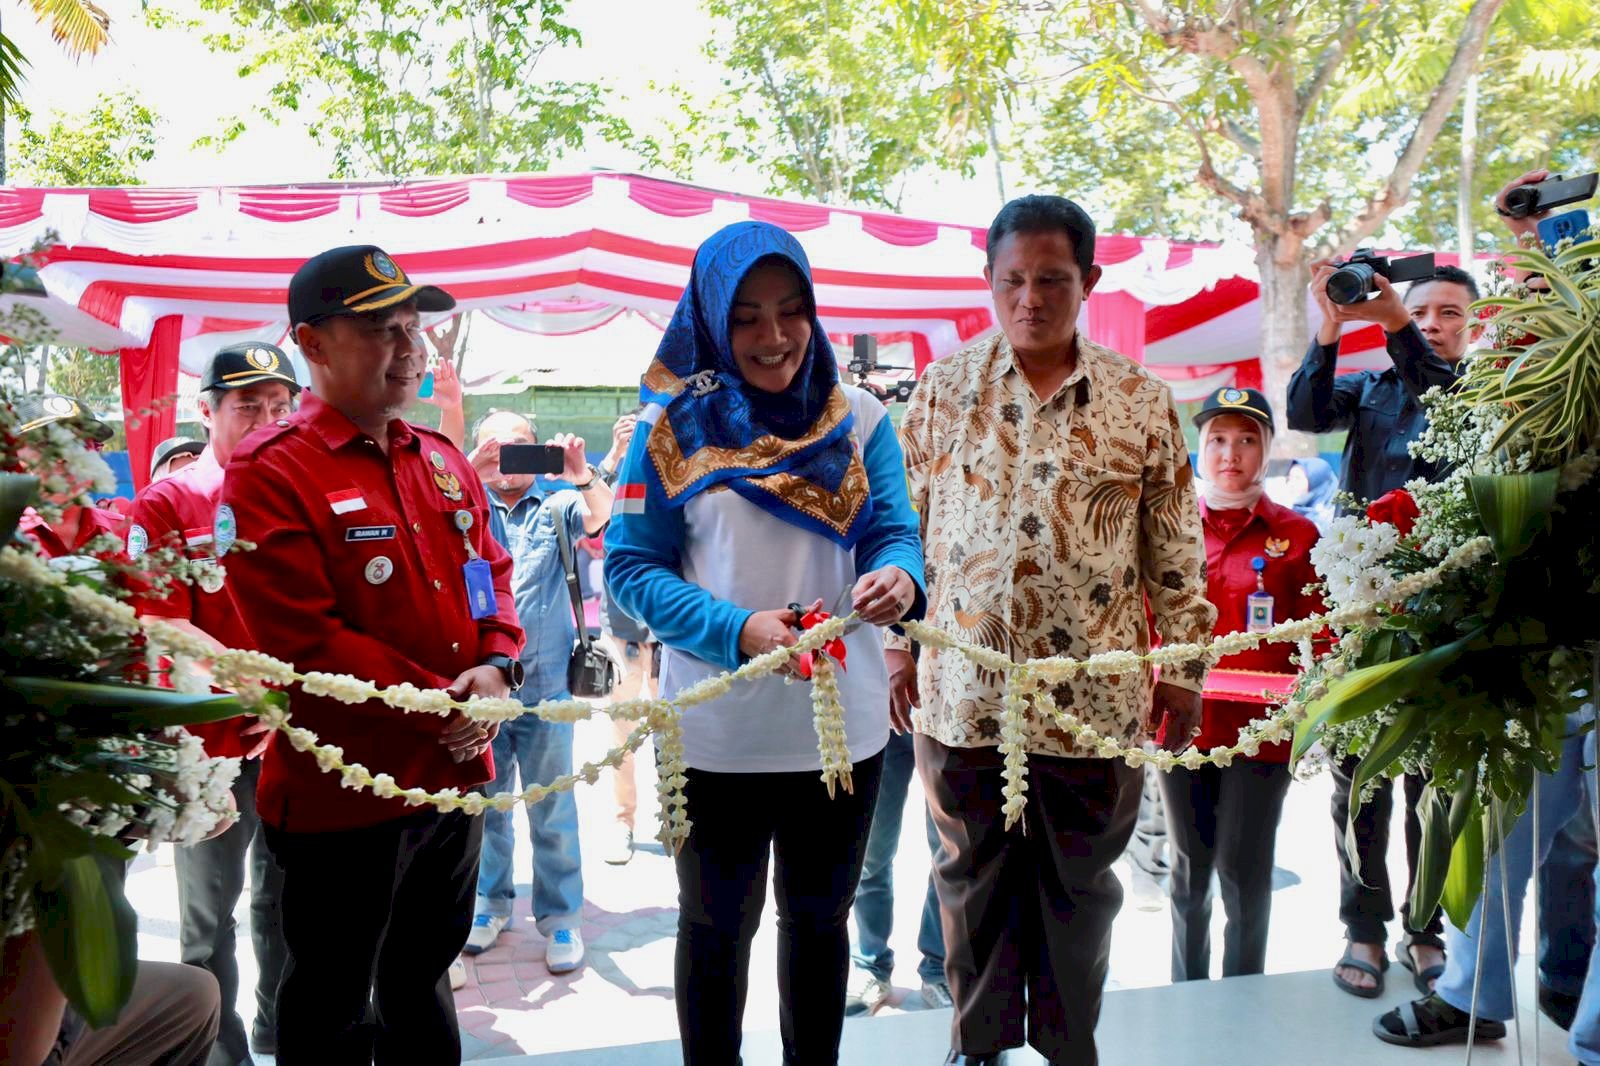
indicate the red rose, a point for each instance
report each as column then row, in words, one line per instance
column 1396, row 508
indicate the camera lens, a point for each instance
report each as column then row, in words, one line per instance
column 1522, row 201
column 1350, row 283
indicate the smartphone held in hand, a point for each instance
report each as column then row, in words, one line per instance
column 531, row 459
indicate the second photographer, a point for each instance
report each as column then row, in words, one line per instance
column 1427, row 333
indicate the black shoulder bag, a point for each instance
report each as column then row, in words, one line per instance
column 591, row 674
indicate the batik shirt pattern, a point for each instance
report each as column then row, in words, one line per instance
column 1047, row 523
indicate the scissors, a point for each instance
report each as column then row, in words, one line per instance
column 841, row 607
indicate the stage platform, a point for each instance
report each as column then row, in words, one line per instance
column 1295, row 1019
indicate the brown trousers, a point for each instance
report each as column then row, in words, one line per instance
column 171, row 1020
column 1027, row 914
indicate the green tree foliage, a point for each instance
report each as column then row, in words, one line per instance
column 825, row 98
column 410, row 87
column 106, row 145
column 78, row 26
column 1539, row 106
column 1143, row 98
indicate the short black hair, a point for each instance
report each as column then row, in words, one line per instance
column 1448, row 273
column 1045, row 214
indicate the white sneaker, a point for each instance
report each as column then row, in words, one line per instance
column 619, row 845
column 864, row 993
column 458, row 974
column 565, row 952
column 485, row 931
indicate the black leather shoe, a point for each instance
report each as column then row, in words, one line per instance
column 1557, row 1006
column 958, row 1058
column 263, row 1042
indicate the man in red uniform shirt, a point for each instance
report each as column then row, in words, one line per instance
column 244, row 387
column 372, row 557
column 78, row 524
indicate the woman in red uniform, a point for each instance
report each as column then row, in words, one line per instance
column 1226, row 818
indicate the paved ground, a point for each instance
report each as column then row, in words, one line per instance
column 512, row 1005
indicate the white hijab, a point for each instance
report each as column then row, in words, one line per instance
column 1218, row 498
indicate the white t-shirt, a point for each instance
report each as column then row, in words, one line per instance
column 742, row 554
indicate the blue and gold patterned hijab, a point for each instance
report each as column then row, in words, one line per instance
column 789, row 453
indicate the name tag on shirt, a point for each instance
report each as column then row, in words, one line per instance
column 347, row 500
column 363, row 533
column 480, row 588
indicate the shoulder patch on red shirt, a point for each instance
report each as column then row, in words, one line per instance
column 263, row 438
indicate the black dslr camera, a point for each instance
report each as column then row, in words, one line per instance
column 1351, row 281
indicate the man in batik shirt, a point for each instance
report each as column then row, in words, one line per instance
column 1057, row 501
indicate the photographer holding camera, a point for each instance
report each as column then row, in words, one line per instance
column 1427, row 332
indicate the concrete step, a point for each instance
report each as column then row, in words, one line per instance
column 1299, row 1019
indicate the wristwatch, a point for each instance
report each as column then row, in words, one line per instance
column 594, row 475
column 512, row 668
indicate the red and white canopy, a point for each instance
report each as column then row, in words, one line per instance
column 165, row 276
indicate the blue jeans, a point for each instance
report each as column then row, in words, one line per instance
column 1562, row 795
column 540, row 752
column 874, row 909
column 1567, row 906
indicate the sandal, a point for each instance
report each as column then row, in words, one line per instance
column 1424, row 979
column 1375, row 972
column 1429, row 1022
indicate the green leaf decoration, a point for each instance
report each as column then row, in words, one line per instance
column 1433, row 857
column 1464, row 880
column 1392, row 740
column 138, row 708
column 1513, row 508
column 17, row 491
column 89, row 934
column 1361, row 692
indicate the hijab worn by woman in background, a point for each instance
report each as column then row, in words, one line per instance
column 1322, row 483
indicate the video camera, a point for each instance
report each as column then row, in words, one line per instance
column 1527, row 200
column 1352, row 280
column 864, row 360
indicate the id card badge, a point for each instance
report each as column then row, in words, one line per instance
column 480, row 588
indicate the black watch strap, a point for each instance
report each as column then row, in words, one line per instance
column 508, row 666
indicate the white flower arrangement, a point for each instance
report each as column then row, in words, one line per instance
column 662, row 718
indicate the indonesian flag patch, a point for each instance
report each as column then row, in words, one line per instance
column 629, row 499
column 346, row 500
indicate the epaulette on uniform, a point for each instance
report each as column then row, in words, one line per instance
column 264, row 438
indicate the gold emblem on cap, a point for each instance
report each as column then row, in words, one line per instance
column 380, row 266
column 1233, row 397
column 262, row 358
column 61, row 406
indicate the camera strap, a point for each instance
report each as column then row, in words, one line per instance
column 569, row 565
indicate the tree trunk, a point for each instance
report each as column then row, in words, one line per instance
column 999, row 168
column 1284, row 332
column 1466, row 233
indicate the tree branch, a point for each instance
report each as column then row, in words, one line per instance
column 1238, row 135
column 1332, row 56
column 1397, row 189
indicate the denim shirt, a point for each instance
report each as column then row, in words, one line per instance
column 1380, row 409
column 539, row 585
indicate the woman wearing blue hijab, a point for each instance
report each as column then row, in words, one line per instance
column 1314, row 484
column 757, row 479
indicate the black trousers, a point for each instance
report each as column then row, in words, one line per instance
column 210, row 879
column 738, row 820
column 374, row 916
column 1366, row 902
column 1222, row 820
column 1027, row 912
